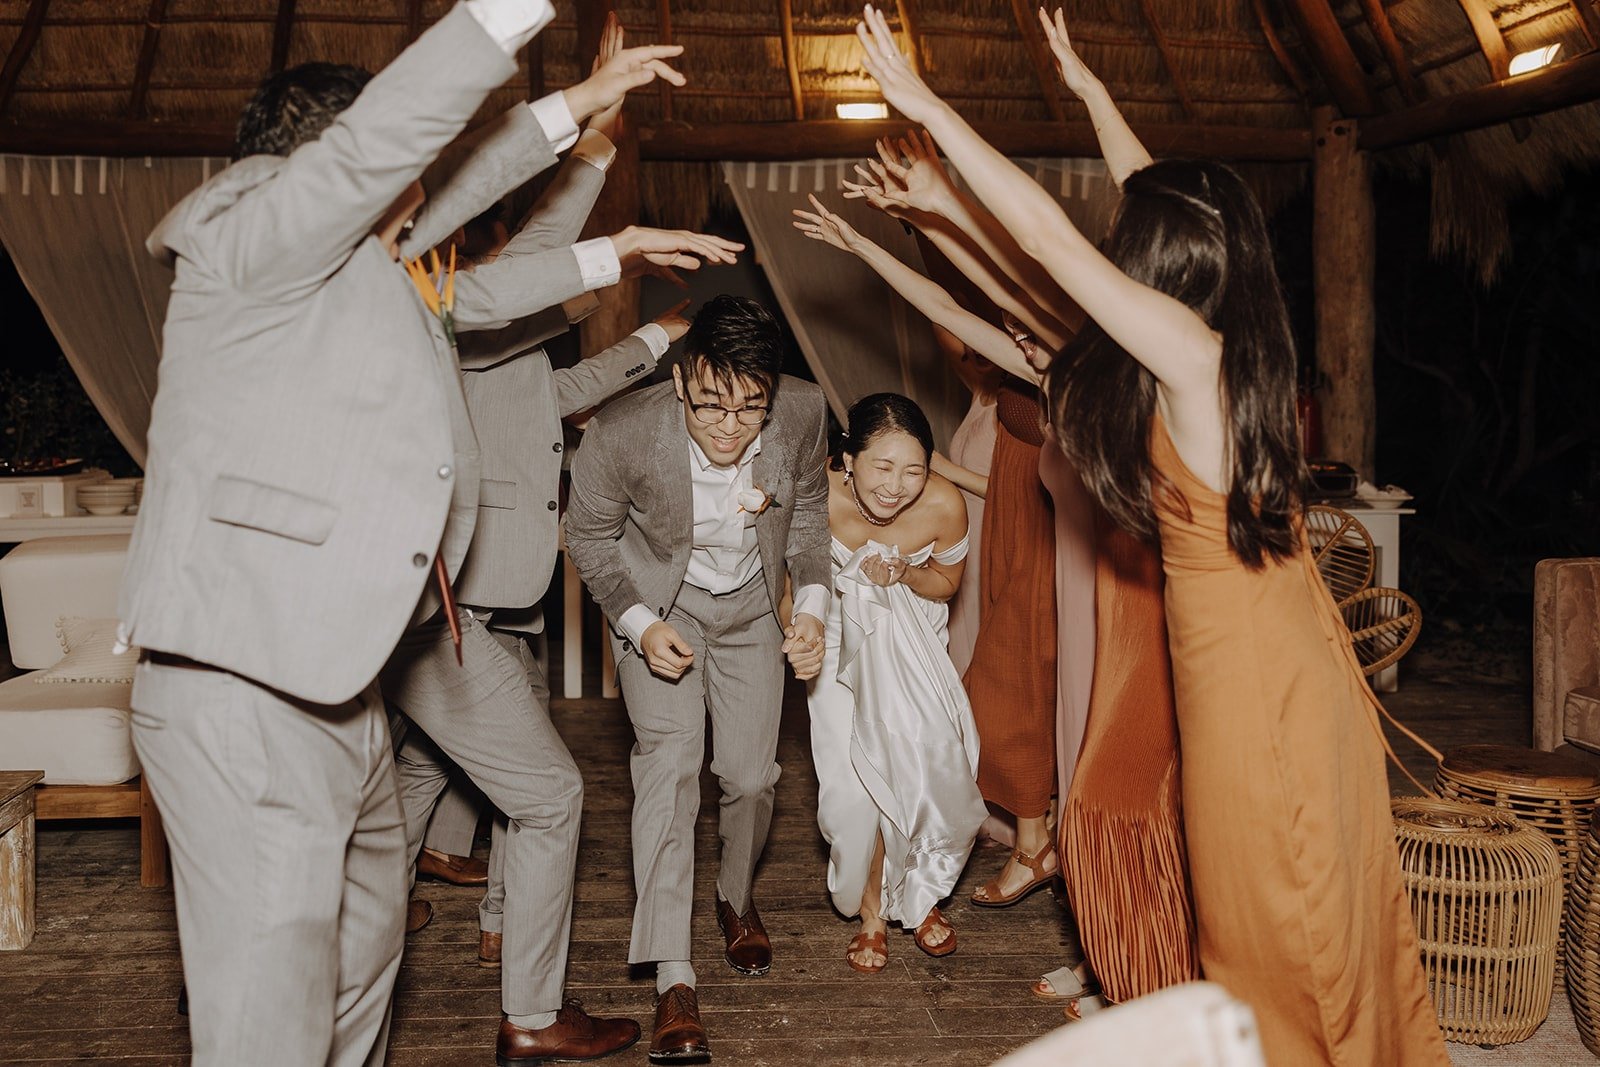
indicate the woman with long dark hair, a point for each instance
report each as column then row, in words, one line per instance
column 1177, row 407
column 892, row 736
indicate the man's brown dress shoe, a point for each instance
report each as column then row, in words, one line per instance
column 749, row 948
column 679, row 1037
column 575, row 1035
column 419, row 913
column 457, row 870
column 488, row 949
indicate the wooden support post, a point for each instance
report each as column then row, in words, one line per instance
column 17, row 857
column 1344, row 248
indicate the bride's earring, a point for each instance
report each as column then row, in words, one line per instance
column 847, row 473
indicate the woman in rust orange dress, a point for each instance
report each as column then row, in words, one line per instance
column 1177, row 408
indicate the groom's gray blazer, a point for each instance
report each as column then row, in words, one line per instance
column 301, row 455
column 630, row 519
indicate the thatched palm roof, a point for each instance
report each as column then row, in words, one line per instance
column 1237, row 78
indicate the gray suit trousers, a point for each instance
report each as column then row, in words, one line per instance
column 288, row 860
column 738, row 678
column 455, row 818
column 486, row 718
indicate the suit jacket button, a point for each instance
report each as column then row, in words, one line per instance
column 551, row 505
column 662, row 612
column 419, row 560
column 556, row 447
column 627, row 647
column 444, row 471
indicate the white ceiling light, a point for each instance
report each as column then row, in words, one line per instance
column 1523, row 62
column 862, row 111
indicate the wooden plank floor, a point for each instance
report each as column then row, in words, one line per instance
column 101, row 978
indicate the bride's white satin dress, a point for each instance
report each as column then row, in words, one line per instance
column 893, row 741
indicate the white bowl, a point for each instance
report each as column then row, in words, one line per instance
column 105, row 509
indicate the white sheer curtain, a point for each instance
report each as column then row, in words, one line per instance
column 75, row 228
column 857, row 335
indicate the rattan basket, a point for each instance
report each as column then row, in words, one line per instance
column 1583, row 940
column 1545, row 790
column 1485, row 892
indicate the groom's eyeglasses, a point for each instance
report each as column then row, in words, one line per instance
column 712, row 414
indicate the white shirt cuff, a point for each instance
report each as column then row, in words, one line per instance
column 512, row 23
column 812, row 600
column 555, row 118
column 580, row 307
column 634, row 622
column 598, row 263
column 595, row 149
column 655, row 338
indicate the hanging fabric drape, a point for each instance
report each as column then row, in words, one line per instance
column 75, row 228
column 858, row 336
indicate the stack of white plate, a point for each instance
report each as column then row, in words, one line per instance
column 107, row 498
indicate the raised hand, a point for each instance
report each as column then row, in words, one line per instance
column 646, row 250
column 824, row 225
column 1074, row 75
column 884, row 62
column 673, row 322
column 626, row 70
column 608, row 121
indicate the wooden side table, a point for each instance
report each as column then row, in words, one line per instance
column 16, row 857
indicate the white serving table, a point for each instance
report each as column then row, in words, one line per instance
column 1383, row 524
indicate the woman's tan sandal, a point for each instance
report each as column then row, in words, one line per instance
column 1079, row 1008
column 1063, row 985
column 989, row 895
column 935, row 921
column 878, row 942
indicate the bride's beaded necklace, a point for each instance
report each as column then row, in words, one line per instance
column 855, row 499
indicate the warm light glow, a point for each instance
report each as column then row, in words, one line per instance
column 862, row 111
column 1523, row 62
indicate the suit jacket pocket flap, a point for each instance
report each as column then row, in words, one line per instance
column 242, row 502
column 497, row 494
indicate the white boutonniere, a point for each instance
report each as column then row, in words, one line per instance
column 755, row 500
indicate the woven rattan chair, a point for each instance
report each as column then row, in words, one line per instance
column 1342, row 550
column 1383, row 623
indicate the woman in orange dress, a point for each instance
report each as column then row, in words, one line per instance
column 1177, row 408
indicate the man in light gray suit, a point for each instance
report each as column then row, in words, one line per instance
column 691, row 503
column 305, row 453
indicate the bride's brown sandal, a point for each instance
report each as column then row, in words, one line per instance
column 876, row 942
column 991, row 897
column 935, row 921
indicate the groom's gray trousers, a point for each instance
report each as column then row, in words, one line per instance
column 737, row 678
column 485, row 716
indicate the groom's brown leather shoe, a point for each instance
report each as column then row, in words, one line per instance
column 574, row 1036
column 679, row 1037
column 749, row 949
column 457, row 870
column 419, row 913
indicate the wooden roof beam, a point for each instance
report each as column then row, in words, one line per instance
column 21, row 49
column 814, row 139
column 281, row 29
column 138, row 100
column 1590, row 19
column 1286, row 63
column 1490, row 43
column 1038, row 54
column 791, row 64
column 908, row 26
column 1166, row 60
column 1577, row 81
column 1333, row 57
column 1399, row 67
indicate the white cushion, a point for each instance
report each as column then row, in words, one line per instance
column 89, row 656
column 76, row 732
column 44, row 579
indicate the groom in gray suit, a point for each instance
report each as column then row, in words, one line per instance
column 692, row 502
column 306, row 447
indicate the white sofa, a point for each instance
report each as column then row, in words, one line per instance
column 76, row 732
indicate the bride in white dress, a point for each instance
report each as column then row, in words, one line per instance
column 892, row 735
